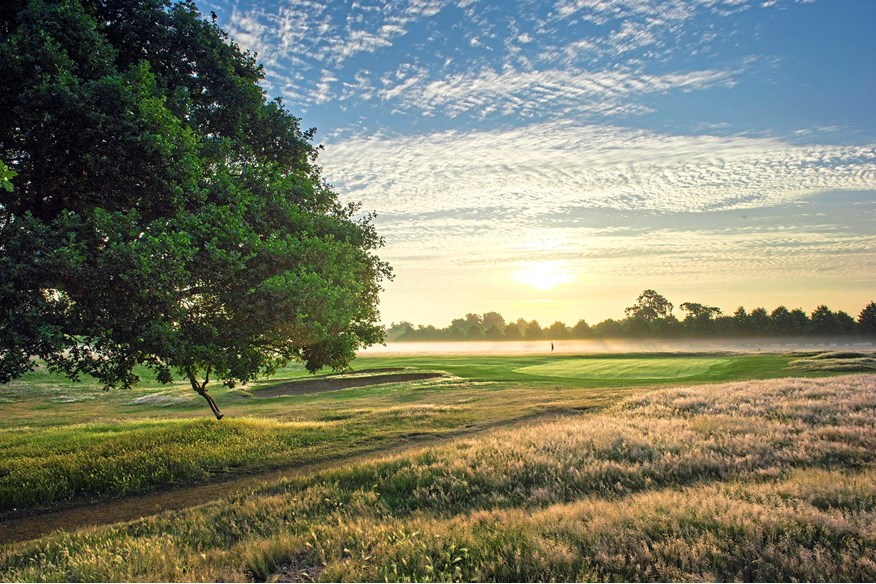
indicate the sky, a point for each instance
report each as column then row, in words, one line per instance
column 551, row 159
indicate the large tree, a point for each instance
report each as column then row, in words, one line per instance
column 867, row 319
column 163, row 211
column 649, row 306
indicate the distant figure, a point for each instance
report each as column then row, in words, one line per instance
column 552, row 347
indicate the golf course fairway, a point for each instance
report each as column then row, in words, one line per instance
column 610, row 368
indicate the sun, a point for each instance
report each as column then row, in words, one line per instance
column 543, row 275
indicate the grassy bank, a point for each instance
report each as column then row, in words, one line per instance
column 767, row 480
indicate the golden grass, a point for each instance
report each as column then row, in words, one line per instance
column 767, row 480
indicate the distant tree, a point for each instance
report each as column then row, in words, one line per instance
column 824, row 322
column 475, row 325
column 781, row 322
column 740, row 322
column 476, row 333
column 581, row 330
column 637, row 326
column 512, row 332
column 867, row 320
column 724, row 325
column 474, row 319
column 649, row 306
column 458, row 329
column 400, row 331
column 493, row 319
column 800, row 321
column 759, row 322
column 700, row 318
column 845, row 323
column 608, row 329
column 164, row 213
column 667, row 328
column 697, row 310
column 494, row 333
column 429, row 333
column 531, row 330
column 558, row 330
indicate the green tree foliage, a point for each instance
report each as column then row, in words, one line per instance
column 740, row 322
column 581, row 330
column 530, row 330
column 700, row 319
column 6, row 176
column 512, row 332
column 824, row 322
column 800, row 321
column 558, row 330
column 867, row 319
column 164, row 212
column 493, row 320
column 667, row 327
column 608, row 329
column 847, row 324
column 782, row 323
column 697, row 310
column 649, row 306
column 759, row 322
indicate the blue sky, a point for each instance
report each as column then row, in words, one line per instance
column 551, row 159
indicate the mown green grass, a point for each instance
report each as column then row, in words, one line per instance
column 755, row 481
column 675, row 368
column 62, row 442
column 695, row 368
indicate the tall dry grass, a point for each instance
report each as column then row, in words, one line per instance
column 767, row 480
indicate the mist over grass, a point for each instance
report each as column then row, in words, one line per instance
column 612, row 346
column 762, row 480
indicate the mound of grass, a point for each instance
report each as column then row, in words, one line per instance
column 842, row 355
column 607, row 368
column 836, row 362
column 771, row 480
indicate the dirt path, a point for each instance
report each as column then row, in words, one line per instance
column 17, row 528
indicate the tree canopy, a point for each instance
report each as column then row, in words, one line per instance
column 159, row 210
column 649, row 306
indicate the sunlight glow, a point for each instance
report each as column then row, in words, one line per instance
column 544, row 275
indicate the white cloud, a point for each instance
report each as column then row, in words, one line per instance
column 529, row 93
column 324, row 87
column 543, row 168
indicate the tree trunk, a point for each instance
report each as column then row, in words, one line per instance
column 201, row 389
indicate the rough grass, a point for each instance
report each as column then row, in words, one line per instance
column 768, row 480
column 837, row 361
column 62, row 442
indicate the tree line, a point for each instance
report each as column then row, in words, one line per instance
column 651, row 317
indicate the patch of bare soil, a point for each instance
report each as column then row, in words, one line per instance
column 293, row 572
column 367, row 371
column 334, row 383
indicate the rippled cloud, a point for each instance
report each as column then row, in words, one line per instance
column 540, row 168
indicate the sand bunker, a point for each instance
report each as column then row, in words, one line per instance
column 334, row 383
